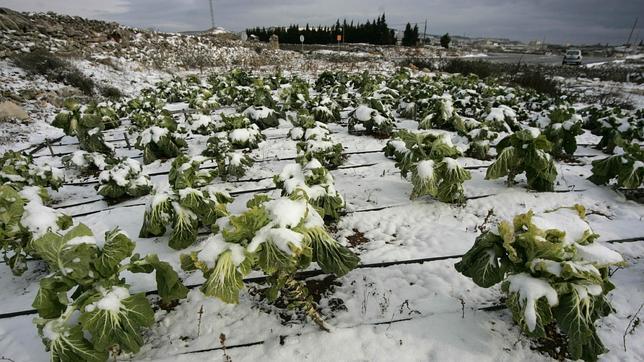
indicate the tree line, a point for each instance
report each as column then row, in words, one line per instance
column 372, row 32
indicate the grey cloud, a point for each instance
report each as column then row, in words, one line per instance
column 575, row 21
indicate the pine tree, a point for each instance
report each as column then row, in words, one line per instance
column 445, row 40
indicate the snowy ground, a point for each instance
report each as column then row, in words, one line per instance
column 404, row 312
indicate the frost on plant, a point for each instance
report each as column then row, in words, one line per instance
column 370, row 121
column 25, row 216
column 159, row 143
column 278, row 237
column 429, row 156
column 185, row 210
column 19, row 169
column 552, row 271
column 123, row 180
column 318, row 184
column 626, row 168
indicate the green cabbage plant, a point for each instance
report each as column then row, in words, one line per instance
column 370, row 121
column 278, row 237
column 19, row 169
column 86, row 309
column 318, row 184
column 122, row 181
column 525, row 151
column 262, row 116
column 430, row 157
column 626, row 168
column 159, row 143
column 185, row 210
column 88, row 163
column 552, row 272
column 24, row 216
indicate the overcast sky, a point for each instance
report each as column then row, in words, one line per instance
column 559, row 21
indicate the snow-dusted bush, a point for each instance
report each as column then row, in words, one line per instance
column 185, row 210
column 159, row 143
column 318, row 184
column 525, row 151
column 278, row 237
column 24, row 216
column 86, row 310
column 122, row 181
column 552, row 272
column 19, row 169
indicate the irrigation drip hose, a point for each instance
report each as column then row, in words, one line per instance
column 262, row 279
column 159, row 173
column 317, row 272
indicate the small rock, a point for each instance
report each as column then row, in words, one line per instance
column 10, row 110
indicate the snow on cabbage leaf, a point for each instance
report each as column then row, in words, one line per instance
column 551, row 270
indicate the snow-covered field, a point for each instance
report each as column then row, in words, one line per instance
column 394, row 307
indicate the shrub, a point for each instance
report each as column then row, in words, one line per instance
column 42, row 62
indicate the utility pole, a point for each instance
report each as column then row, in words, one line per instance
column 425, row 32
column 212, row 16
column 628, row 42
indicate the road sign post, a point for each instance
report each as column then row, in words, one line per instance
column 302, row 42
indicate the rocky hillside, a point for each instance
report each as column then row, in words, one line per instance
column 82, row 38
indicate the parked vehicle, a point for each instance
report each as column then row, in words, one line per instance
column 572, row 56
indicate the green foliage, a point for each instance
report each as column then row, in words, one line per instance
column 186, row 173
column 262, row 116
column 430, row 157
column 564, row 125
column 525, row 151
column 326, row 111
column 445, row 40
column 627, row 168
column 159, row 143
column 230, row 163
column 88, row 163
column 371, row 121
column 19, row 169
column 549, row 275
column 185, row 210
column 23, row 217
column 122, row 181
column 85, row 307
column 88, row 125
column 615, row 126
column 317, row 183
column 278, row 237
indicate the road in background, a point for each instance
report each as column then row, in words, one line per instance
column 536, row 58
